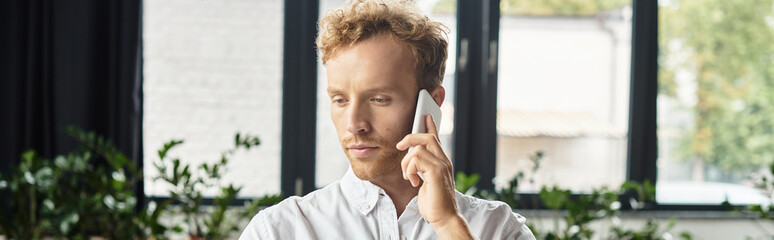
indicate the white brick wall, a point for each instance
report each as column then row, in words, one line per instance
column 212, row 69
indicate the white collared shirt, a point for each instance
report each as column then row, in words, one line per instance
column 355, row 209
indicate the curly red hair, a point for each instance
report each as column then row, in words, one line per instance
column 361, row 19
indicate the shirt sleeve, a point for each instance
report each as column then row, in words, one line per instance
column 524, row 234
column 257, row 229
column 495, row 220
column 521, row 232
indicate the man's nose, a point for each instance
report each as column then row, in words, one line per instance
column 358, row 119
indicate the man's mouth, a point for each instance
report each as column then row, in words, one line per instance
column 362, row 150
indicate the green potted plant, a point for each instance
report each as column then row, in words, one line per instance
column 577, row 212
column 88, row 192
column 186, row 192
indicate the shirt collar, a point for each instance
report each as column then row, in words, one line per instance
column 360, row 194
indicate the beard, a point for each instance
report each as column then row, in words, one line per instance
column 385, row 162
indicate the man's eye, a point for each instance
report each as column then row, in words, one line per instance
column 380, row 100
column 339, row 101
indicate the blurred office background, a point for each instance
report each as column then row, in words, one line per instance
column 676, row 93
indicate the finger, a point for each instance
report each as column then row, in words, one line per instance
column 411, row 171
column 422, row 161
column 429, row 141
column 406, row 159
column 417, row 162
column 431, row 128
column 416, row 139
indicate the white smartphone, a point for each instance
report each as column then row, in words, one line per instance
column 425, row 105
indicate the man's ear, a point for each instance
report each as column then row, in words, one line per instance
column 438, row 94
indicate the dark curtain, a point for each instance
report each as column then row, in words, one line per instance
column 75, row 62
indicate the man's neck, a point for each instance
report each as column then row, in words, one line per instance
column 400, row 190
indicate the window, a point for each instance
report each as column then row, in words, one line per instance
column 213, row 69
column 715, row 108
column 331, row 161
column 563, row 90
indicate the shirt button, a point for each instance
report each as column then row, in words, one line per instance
column 364, row 207
column 402, row 237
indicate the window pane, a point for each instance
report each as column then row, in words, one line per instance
column 331, row 161
column 212, row 69
column 715, row 101
column 563, row 89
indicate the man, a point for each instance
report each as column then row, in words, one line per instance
column 379, row 54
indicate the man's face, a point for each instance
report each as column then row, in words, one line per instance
column 372, row 88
